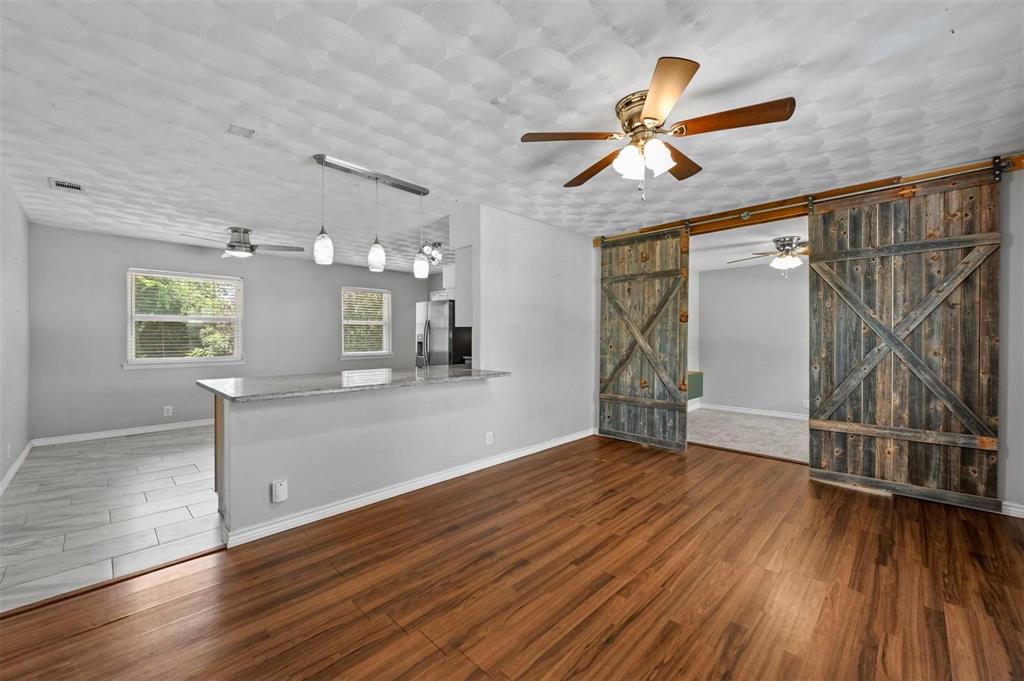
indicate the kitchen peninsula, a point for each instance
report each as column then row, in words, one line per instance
column 340, row 440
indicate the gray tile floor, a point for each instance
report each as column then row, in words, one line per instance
column 81, row 513
column 784, row 438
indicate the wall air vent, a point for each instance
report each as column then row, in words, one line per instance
column 65, row 186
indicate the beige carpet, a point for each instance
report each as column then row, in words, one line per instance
column 771, row 435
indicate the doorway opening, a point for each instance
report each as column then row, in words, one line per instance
column 748, row 344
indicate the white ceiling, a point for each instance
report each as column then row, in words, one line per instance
column 133, row 99
column 714, row 251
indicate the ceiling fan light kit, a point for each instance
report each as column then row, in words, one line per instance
column 785, row 262
column 642, row 116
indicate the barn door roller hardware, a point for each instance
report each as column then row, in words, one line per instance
column 808, row 204
column 998, row 166
column 353, row 169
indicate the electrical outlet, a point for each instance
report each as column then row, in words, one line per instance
column 490, row 438
column 278, row 491
column 807, row 404
column 168, row 410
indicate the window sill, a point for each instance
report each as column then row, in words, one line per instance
column 369, row 355
column 181, row 365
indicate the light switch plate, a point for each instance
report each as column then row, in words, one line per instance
column 278, row 491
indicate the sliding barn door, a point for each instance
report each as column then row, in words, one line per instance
column 904, row 341
column 643, row 339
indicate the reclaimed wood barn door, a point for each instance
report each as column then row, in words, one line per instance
column 904, row 292
column 643, row 339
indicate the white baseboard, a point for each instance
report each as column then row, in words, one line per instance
column 14, row 467
column 241, row 536
column 1013, row 508
column 120, row 432
column 759, row 412
column 693, row 405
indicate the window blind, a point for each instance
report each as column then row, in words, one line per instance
column 365, row 321
column 183, row 317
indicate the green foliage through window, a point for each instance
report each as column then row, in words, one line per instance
column 366, row 321
column 184, row 317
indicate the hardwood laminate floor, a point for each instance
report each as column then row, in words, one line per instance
column 81, row 513
column 594, row 560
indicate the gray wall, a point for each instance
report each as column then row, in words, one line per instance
column 754, row 343
column 1011, row 346
column 435, row 281
column 14, row 330
column 78, row 318
column 693, row 325
column 536, row 316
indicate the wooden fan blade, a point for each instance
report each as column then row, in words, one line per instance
column 685, row 166
column 274, row 247
column 756, row 114
column 803, row 250
column 593, row 170
column 753, row 257
column 568, row 136
column 671, row 76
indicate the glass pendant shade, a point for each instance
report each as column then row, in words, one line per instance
column 629, row 163
column 237, row 254
column 420, row 266
column 785, row 262
column 376, row 258
column 657, row 157
column 323, row 248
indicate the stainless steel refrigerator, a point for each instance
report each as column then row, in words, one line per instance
column 438, row 340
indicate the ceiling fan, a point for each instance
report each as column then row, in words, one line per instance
column 642, row 115
column 240, row 246
column 787, row 252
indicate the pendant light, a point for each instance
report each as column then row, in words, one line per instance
column 323, row 247
column 420, row 265
column 376, row 257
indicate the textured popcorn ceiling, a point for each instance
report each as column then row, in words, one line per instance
column 133, row 100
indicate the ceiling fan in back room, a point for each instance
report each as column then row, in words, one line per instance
column 642, row 115
column 239, row 244
column 788, row 250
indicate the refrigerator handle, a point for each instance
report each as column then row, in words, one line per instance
column 426, row 343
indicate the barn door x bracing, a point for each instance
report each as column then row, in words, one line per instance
column 643, row 339
column 904, row 340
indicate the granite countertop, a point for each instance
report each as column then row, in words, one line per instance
column 254, row 388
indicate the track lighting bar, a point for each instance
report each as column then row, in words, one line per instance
column 352, row 168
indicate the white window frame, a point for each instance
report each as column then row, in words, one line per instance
column 387, row 351
column 134, row 362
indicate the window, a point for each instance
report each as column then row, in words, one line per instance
column 365, row 322
column 183, row 318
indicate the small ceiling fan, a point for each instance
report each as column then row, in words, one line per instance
column 240, row 246
column 787, row 252
column 642, row 115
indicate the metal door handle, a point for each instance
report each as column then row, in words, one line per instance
column 426, row 343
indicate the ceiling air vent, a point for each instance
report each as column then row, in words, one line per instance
column 65, row 186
